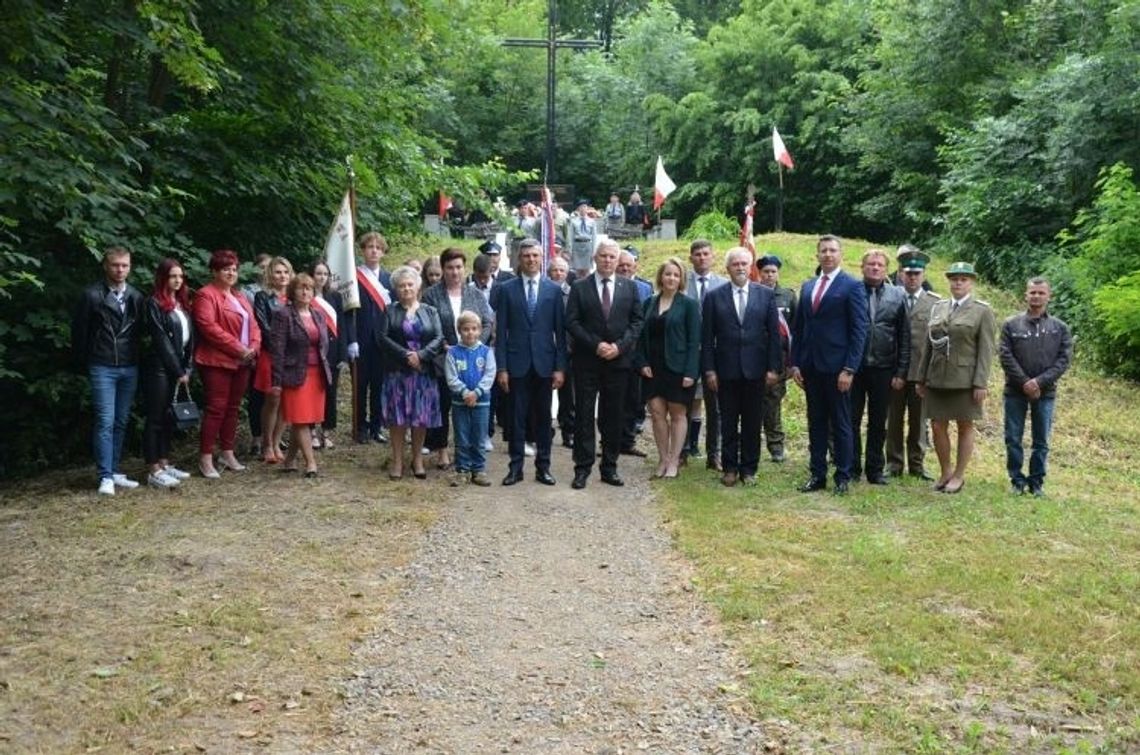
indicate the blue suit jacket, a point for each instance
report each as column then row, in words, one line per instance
column 737, row 350
column 523, row 342
column 831, row 339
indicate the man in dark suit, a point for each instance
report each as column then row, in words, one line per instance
column 828, row 336
column 369, row 318
column 701, row 281
column 741, row 358
column 530, row 354
column 603, row 318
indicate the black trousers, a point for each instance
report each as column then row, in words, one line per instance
column 370, row 376
column 330, row 399
column 436, row 437
column 158, row 392
column 634, row 410
column 566, row 406
column 741, row 412
column 603, row 385
column 530, row 398
column 870, row 391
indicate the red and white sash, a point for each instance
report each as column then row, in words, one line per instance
column 374, row 290
column 330, row 316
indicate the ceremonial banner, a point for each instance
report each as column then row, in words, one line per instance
column 340, row 254
column 779, row 152
column 663, row 186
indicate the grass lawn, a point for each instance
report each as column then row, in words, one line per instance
column 900, row 619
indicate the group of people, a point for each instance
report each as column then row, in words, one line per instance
column 437, row 347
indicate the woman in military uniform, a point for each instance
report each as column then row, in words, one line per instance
column 955, row 371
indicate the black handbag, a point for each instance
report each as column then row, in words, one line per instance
column 185, row 413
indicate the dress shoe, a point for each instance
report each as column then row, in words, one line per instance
column 1034, row 490
column 812, row 485
column 841, row 488
column 1017, row 488
column 579, row 481
column 748, row 481
column 728, row 479
column 512, row 478
column 613, row 479
column 877, row 479
column 567, row 441
column 544, row 477
column 633, row 452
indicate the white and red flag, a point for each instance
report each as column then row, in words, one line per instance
column 444, row 205
column 340, row 251
column 780, row 153
column 663, row 186
column 547, row 225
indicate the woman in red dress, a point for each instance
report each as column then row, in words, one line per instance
column 299, row 343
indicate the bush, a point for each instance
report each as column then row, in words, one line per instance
column 714, row 226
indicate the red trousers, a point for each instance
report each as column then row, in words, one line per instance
column 224, row 392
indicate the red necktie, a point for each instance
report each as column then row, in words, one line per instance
column 819, row 289
column 606, row 298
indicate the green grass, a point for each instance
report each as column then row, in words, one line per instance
column 900, row 619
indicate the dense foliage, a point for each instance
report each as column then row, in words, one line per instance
column 975, row 128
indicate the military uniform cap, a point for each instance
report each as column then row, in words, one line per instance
column 961, row 268
column 490, row 247
column 769, row 259
column 912, row 259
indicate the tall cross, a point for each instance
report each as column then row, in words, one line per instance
column 552, row 44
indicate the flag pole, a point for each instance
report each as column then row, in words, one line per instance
column 780, row 199
column 350, row 176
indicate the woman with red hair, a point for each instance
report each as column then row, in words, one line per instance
column 229, row 341
column 166, row 367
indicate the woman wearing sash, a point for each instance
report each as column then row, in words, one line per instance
column 166, row 367
column 411, row 341
column 266, row 302
column 228, row 343
column 299, row 340
column 329, row 301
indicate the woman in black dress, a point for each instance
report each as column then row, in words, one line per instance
column 668, row 354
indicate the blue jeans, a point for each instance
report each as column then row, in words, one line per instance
column 470, row 424
column 1041, row 415
column 112, row 392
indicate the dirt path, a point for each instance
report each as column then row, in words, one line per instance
column 540, row 619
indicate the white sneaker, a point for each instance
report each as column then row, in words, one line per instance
column 529, row 449
column 122, row 481
column 176, row 473
column 488, row 445
column 106, row 486
column 161, row 480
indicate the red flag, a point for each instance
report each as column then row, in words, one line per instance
column 780, row 153
column 444, row 205
column 663, row 186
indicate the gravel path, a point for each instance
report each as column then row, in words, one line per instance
column 550, row 620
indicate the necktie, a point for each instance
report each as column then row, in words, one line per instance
column 582, row 225
column 819, row 289
column 606, row 298
column 910, row 299
column 531, row 299
column 954, row 308
column 701, row 289
column 740, row 304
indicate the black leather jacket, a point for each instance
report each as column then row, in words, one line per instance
column 265, row 303
column 101, row 334
column 888, row 337
column 166, row 352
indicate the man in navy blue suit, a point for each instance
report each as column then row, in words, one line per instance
column 741, row 358
column 530, row 352
column 829, row 333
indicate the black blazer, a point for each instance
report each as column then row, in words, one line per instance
column 394, row 344
column 289, row 346
column 682, row 335
column 588, row 328
column 165, row 333
column 737, row 350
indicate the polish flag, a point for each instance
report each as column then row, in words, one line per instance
column 780, row 153
column 663, row 186
column 444, row 205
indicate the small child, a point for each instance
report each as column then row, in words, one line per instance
column 470, row 372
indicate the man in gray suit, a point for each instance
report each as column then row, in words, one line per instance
column 701, row 281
